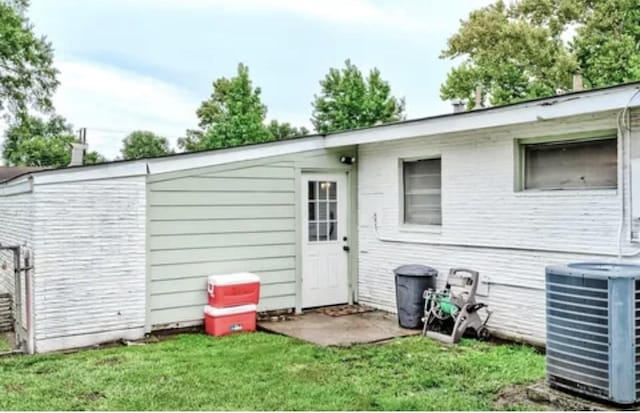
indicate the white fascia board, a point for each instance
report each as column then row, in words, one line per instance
column 546, row 109
column 552, row 108
column 19, row 186
column 223, row 156
column 105, row 171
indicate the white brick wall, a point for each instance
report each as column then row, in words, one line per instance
column 89, row 246
column 16, row 222
column 480, row 207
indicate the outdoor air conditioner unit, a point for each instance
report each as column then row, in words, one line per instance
column 593, row 330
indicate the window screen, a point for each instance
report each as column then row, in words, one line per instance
column 422, row 192
column 571, row 165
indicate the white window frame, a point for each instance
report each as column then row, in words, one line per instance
column 408, row 227
column 520, row 159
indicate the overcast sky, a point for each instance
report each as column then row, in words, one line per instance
column 147, row 64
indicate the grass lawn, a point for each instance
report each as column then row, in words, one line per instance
column 4, row 343
column 268, row 372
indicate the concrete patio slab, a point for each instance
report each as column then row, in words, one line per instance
column 324, row 330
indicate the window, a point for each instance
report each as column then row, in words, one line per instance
column 585, row 164
column 422, row 183
column 323, row 211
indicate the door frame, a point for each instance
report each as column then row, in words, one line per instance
column 351, row 199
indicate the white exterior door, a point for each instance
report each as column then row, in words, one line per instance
column 325, row 275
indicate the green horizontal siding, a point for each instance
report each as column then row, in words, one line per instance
column 199, row 283
column 238, row 217
column 178, row 213
column 176, row 316
column 216, row 254
column 182, row 198
column 219, row 184
column 210, row 240
column 217, row 222
column 203, row 269
column 236, row 226
column 257, row 172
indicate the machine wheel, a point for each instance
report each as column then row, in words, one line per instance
column 483, row 334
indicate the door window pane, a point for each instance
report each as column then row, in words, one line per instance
column 322, row 231
column 333, row 193
column 333, row 210
column 322, row 211
column 313, row 231
column 313, row 190
column 324, row 190
column 312, row 211
column 333, row 231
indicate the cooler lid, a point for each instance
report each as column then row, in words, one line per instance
column 232, row 279
column 217, row 312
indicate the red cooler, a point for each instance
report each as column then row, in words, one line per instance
column 233, row 289
column 222, row 321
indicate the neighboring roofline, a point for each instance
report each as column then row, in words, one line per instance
column 553, row 107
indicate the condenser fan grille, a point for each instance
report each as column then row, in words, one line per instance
column 578, row 334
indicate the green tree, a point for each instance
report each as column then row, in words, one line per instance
column 144, row 144
column 285, row 130
column 93, row 158
column 233, row 115
column 27, row 127
column 519, row 51
column 33, row 141
column 27, row 75
column 39, row 150
column 607, row 43
column 348, row 100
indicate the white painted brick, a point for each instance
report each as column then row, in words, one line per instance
column 480, row 206
column 90, row 260
column 16, row 228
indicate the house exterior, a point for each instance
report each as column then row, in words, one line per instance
column 124, row 248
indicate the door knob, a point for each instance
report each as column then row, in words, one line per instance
column 345, row 248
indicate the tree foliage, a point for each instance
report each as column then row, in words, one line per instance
column 233, row 115
column 348, row 100
column 33, row 141
column 607, row 44
column 519, row 51
column 285, row 130
column 93, row 157
column 144, row 144
column 27, row 75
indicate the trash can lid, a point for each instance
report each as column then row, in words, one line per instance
column 416, row 270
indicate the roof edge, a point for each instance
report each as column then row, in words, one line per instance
column 552, row 107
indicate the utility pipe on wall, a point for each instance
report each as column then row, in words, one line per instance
column 494, row 246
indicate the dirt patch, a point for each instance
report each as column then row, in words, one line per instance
column 277, row 315
column 92, row 396
column 539, row 396
column 516, row 396
column 14, row 387
column 109, row 361
column 342, row 310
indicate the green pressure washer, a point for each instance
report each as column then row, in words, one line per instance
column 451, row 312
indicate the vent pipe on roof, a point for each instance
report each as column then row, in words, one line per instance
column 79, row 148
column 478, row 94
column 458, row 105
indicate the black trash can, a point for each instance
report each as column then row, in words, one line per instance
column 411, row 282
